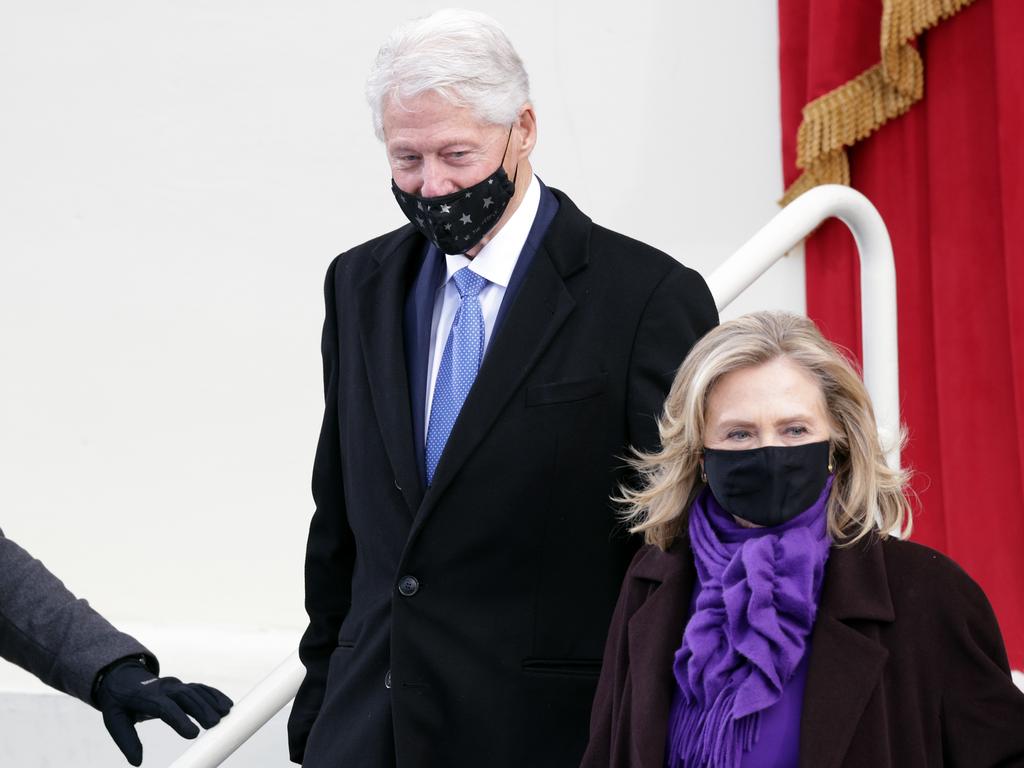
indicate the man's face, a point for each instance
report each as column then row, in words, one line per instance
column 435, row 148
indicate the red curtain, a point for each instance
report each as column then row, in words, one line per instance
column 948, row 178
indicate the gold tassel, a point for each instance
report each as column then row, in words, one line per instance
column 859, row 107
column 903, row 20
column 833, row 168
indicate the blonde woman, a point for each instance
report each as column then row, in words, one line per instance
column 774, row 617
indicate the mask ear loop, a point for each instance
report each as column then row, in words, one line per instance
column 515, row 173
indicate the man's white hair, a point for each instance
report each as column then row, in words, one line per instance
column 464, row 56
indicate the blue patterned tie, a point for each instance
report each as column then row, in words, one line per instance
column 461, row 360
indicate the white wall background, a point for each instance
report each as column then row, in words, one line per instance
column 175, row 178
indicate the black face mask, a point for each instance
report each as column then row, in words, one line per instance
column 457, row 222
column 770, row 485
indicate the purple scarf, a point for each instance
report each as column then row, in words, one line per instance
column 758, row 597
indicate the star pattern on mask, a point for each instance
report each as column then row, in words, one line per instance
column 461, row 220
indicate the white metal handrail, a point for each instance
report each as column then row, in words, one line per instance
column 877, row 286
column 738, row 272
column 247, row 716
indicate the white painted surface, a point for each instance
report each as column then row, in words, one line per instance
column 52, row 731
column 175, row 178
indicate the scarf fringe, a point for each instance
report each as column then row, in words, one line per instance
column 712, row 738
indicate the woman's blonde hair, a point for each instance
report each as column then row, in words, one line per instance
column 867, row 495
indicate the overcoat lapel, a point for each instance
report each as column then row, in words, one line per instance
column 655, row 632
column 845, row 667
column 381, row 299
column 541, row 306
column 846, row 663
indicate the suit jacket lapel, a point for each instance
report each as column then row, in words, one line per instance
column 381, row 299
column 655, row 633
column 846, row 664
column 538, row 310
column 419, row 316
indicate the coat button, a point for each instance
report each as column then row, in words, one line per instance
column 387, row 679
column 409, row 586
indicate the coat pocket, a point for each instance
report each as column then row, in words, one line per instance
column 566, row 391
column 347, row 638
column 590, row 668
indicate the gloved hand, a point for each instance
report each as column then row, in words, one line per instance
column 128, row 693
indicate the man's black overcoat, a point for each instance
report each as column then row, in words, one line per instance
column 463, row 624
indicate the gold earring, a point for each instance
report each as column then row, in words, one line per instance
column 831, row 466
column 703, row 475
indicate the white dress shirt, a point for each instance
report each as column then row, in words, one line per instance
column 495, row 263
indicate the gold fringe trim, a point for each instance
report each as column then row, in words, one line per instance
column 833, row 168
column 859, row 107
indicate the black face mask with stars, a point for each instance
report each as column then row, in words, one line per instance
column 457, row 222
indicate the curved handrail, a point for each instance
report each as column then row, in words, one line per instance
column 780, row 235
column 877, row 286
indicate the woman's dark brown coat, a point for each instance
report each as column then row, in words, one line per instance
column 907, row 665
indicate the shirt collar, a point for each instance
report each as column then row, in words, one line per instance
column 498, row 257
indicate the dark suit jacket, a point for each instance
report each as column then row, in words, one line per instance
column 489, row 653
column 52, row 634
column 907, row 665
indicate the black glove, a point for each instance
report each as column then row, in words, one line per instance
column 128, row 693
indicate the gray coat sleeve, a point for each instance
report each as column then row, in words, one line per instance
column 49, row 632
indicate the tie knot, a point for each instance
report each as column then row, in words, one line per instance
column 468, row 282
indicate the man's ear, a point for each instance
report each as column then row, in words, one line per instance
column 526, row 124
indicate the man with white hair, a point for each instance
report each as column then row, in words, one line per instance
column 486, row 369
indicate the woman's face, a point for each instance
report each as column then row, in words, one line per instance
column 775, row 403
